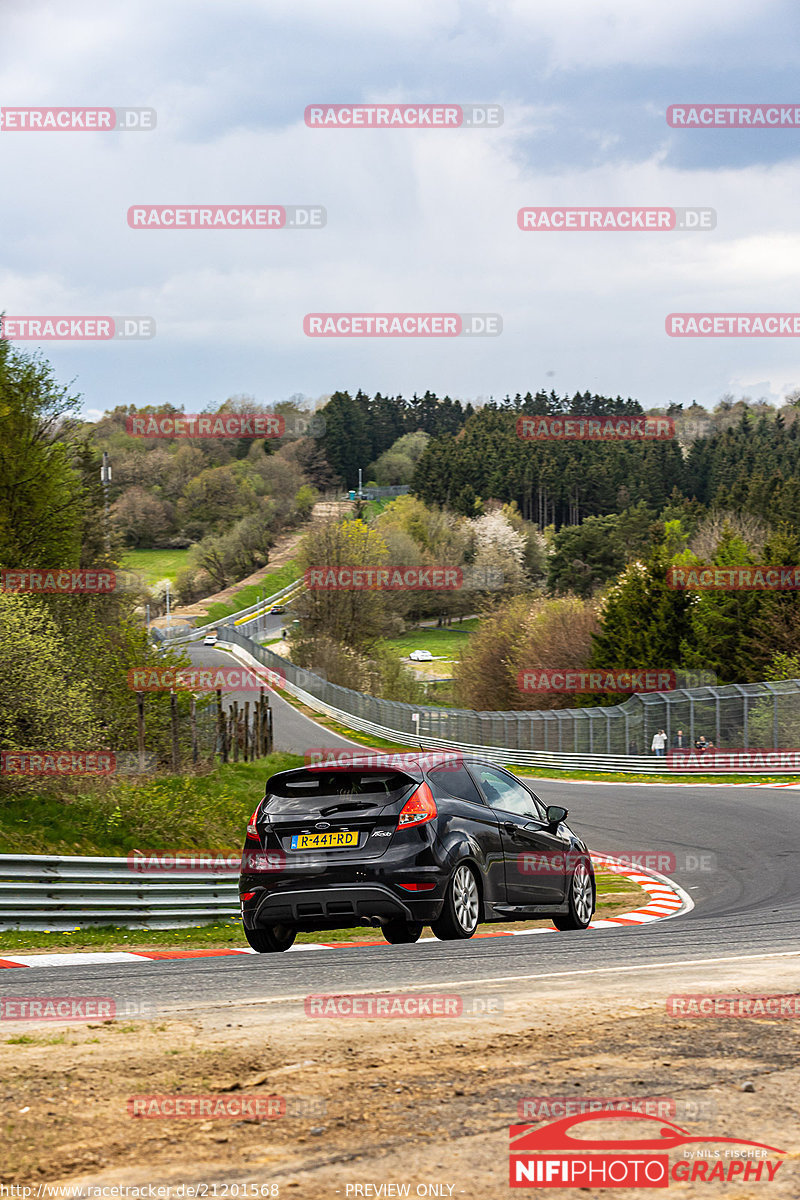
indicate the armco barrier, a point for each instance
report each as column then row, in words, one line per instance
column 50, row 891
column 559, row 739
column 180, row 636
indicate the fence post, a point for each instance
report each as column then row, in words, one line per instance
column 222, row 729
column 140, row 723
column 235, row 731
column 193, row 719
column 173, row 720
column 246, row 728
column 269, row 728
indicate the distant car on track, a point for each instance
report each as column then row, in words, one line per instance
column 278, row 608
column 421, row 656
column 432, row 843
column 210, row 639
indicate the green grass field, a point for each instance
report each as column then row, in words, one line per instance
column 153, row 565
column 249, row 595
column 202, row 812
column 440, row 642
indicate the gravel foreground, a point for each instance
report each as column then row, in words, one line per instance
column 371, row 1107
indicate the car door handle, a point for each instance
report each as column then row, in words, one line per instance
column 519, row 831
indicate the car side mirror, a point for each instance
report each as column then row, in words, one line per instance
column 556, row 814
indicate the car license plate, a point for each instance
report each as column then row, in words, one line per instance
column 323, row 841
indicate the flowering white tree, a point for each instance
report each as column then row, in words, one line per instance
column 499, row 553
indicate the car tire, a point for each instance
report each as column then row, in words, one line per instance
column 401, row 933
column 581, row 900
column 462, row 906
column 272, row 939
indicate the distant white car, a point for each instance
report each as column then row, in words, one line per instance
column 210, row 640
column 421, row 656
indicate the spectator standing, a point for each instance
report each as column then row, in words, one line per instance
column 659, row 744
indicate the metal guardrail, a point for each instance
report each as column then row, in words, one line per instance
column 55, row 892
column 179, row 636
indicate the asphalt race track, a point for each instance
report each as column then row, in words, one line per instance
column 746, row 890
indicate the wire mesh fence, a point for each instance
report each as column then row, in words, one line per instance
column 732, row 716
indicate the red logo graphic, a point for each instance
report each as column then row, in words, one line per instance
column 550, row 1156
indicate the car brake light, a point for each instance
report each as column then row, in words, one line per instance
column 252, row 830
column 418, row 808
column 418, row 887
column 246, row 895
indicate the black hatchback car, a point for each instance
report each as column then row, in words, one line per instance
column 433, row 842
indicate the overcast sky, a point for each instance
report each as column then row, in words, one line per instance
column 418, row 221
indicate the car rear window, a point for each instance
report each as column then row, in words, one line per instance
column 319, row 784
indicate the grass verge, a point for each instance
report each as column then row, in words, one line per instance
column 203, row 812
column 442, row 643
column 246, row 596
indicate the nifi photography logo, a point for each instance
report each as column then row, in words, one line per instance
column 552, row 1156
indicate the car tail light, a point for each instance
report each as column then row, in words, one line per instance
column 252, row 831
column 246, row 895
column 418, row 887
column 418, row 808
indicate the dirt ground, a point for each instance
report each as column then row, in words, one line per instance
column 395, row 1101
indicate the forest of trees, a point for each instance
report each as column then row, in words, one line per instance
column 63, row 658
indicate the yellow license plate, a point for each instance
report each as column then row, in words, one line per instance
column 323, row 841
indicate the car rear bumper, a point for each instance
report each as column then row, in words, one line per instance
column 336, row 907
